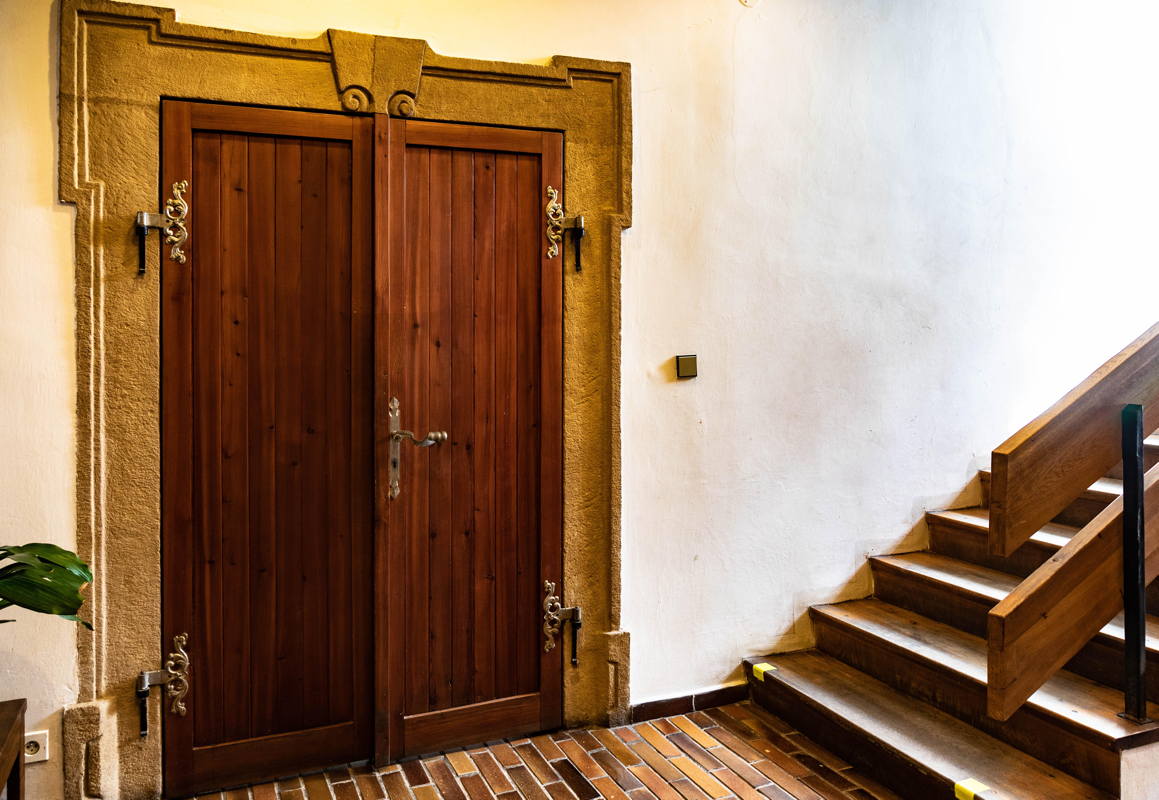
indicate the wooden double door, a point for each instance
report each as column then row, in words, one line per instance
column 336, row 264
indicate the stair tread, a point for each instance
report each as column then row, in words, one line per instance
column 1080, row 703
column 990, row 584
column 942, row 744
column 1053, row 534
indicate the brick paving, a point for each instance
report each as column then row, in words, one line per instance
column 735, row 752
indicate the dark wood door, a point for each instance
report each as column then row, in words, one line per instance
column 267, row 443
column 469, row 341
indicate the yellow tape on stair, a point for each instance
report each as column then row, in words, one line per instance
column 760, row 669
column 969, row 789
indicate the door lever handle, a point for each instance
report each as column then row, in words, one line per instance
column 433, row 438
column 397, row 436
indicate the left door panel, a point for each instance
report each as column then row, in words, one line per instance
column 267, row 434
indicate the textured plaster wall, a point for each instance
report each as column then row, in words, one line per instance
column 892, row 231
column 37, row 654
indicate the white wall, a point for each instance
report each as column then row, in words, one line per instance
column 893, row 232
column 37, row 375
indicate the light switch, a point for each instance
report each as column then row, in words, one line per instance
column 686, row 366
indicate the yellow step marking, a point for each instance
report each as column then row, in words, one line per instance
column 760, row 669
column 969, row 789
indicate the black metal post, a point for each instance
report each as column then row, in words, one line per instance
column 1134, row 568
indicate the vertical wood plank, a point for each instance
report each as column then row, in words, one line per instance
column 509, row 643
column 336, row 381
column 361, row 460
column 262, row 433
column 483, row 622
column 415, row 463
column 289, row 628
column 391, row 568
column 234, row 446
column 462, row 415
column 315, row 500
column 441, row 500
column 530, row 579
column 207, row 434
column 551, row 433
column 178, row 510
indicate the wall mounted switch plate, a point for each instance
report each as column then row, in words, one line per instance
column 686, row 366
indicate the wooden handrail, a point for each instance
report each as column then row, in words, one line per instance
column 1052, row 614
column 1038, row 471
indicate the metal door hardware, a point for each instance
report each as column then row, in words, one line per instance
column 557, row 224
column 554, row 617
column 174, row 677
column 171, row 223
column 396, row 438
column 576, row 226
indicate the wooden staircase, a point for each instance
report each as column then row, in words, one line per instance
column 897, row 684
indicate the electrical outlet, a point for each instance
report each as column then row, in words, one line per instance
column 35, row 747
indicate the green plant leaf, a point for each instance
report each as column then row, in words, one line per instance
column 42, row 552
column 44, row 578
column 42, row 588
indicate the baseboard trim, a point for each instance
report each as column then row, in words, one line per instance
column 672, row 706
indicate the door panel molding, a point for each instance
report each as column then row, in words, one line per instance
column 109, row 137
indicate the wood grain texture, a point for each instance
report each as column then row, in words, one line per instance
column 1051, row 615
column 1039, row 470
column 267, row 498
column 917, row 750
column 474, row 347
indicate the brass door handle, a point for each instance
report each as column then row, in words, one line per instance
column 433, row 437
column 397, row 436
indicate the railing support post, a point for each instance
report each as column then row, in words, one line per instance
column 1134, row 567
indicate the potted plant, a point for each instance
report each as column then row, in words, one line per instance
column 43, row 578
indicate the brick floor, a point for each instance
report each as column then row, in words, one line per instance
column 736, row 752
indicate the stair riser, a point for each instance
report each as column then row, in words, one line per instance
column 1101, row 660
column 967, row 543
column 905, row 776
column 1081, row 511
column 1040, row 735
column 1150, row 458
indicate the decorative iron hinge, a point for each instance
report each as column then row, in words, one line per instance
column 554, row 616
column 174, row 677
column 171, row 223
column 557, row 224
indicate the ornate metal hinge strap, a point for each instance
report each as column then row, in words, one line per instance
column 554, row 616
column 171, row 223
column 174, row 677
column 554, row 212
column 551, row 617
column 176, row 209
column 177, row 665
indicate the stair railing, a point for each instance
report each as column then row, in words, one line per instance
column 1037, row 473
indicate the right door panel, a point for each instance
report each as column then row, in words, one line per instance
column 470, row 342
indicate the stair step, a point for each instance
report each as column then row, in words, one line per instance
column 963, row 534
column 1083, row 508
column 914, row 749
column 1071, row 722
column 961, row 594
